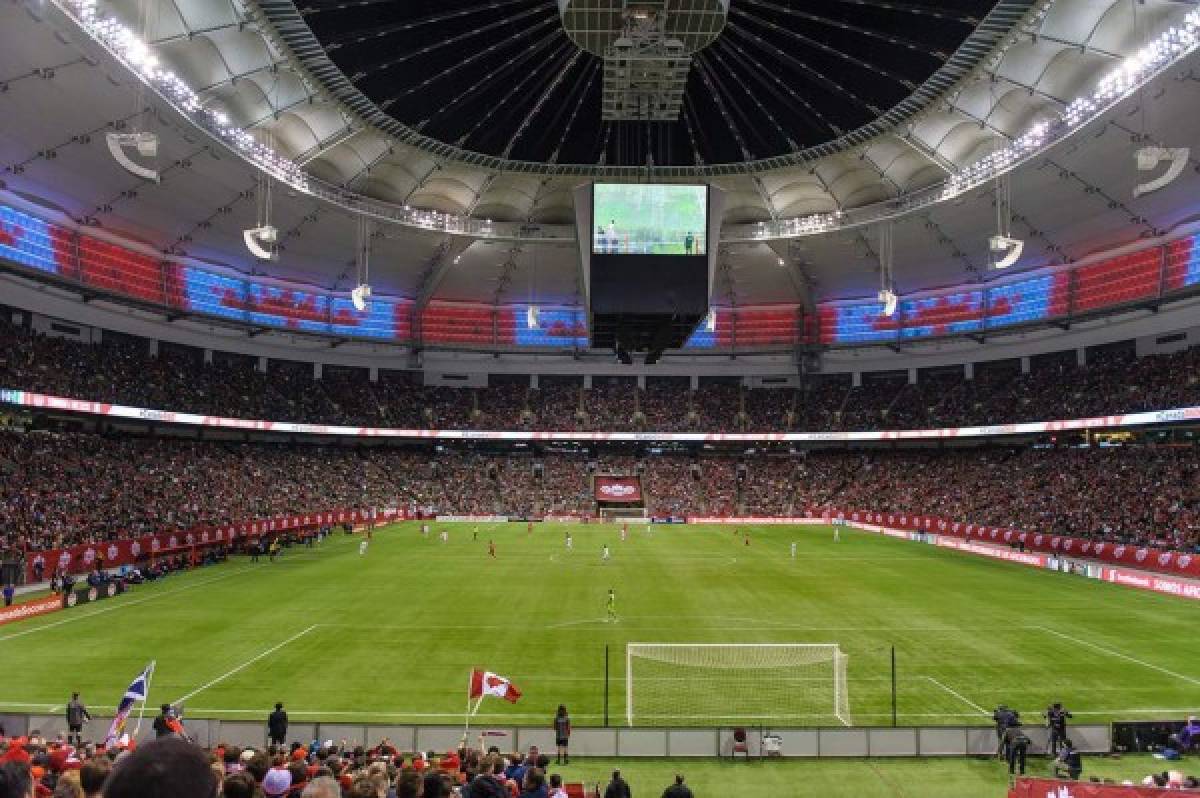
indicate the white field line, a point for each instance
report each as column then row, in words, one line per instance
column 120, row 605
column 960, row 697
column 244, row 665
column 1114, row 653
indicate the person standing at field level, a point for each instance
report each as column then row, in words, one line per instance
column 162, row 723
column 475, row 534
column 837, row 535
column 77, row 715
column 1056, row 721
column 492, row 549
column 793, row 549
column 612, row 605
column 604, row 553
column 562, row 735
column 362, row 547
column 277, row 725
column 445, row 535
column 1017, row 744
column 678, row 789
column 570, row 542
column 9, row 592
column 617, row 788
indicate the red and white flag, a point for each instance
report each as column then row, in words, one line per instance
column 485, row 683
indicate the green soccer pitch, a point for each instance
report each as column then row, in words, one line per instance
column 391, row 636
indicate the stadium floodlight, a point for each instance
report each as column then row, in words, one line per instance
column 531, row 317
column 146, row 145
column 261, row 242
column 1148, row 159
column 360, row 295
column 1007, row 249
column 800, row 684
column 889, row 299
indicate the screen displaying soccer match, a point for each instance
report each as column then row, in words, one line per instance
column 641, row 219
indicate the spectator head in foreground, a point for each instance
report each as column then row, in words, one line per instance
column 15, row 780
column 165, row 768
column 322, row 787
column 239, row 785
column 93, row 774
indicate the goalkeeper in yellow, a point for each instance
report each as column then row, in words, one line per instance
column 612, row 606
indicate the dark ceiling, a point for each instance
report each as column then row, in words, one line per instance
column 501, row 77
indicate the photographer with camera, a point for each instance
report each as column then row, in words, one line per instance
column 1016, row 745
column 1056, row 721
column 1069, row 763
column 1003, row 717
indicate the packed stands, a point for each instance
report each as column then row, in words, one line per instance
column 121, row 370
column 71, row 487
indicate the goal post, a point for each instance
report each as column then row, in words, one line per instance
column 752, row 684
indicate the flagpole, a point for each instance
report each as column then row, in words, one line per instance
column 467, row 717
column 142, row 708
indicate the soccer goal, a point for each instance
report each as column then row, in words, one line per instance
column 687, row 684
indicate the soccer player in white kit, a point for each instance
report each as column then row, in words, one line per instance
column 793, row 549
column 570, row 542
column 837, row 535
column 362, row 548
column 604, row 553
column 445, row 535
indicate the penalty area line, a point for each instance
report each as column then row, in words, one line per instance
column 1114, row 653
column 244, row 665
column 960, row 697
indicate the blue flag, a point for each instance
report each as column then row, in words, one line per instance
column 137, row 691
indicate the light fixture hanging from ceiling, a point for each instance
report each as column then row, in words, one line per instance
column 1005, row 250
column 531, row 310
column 362, row 266
column 887, row 285
column 143, row 142
column 1149, row 158
column 261, row 239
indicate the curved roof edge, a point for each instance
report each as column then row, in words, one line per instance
column 296, row 38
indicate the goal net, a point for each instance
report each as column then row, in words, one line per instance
column 685, row 684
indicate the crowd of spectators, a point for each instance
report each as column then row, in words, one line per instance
column 173, row 765
column 64, row 487
column 120, row 369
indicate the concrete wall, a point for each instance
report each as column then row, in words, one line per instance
column 610, row 742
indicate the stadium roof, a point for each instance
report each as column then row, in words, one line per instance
column 261, row 68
